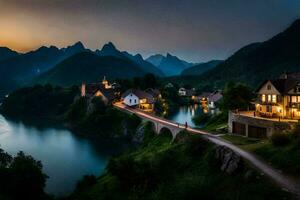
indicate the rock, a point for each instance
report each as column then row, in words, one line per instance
column 139, row 134
column 230, row 161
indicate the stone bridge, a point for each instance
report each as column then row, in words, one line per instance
column 174, row 128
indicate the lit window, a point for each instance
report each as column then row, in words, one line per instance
column 274, row 99
column 298, row 97
column 263, row 98
column 269, row 98
column 294, row 99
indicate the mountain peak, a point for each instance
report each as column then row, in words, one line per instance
column 295, row 27
column 108, row 46
column 138, row 56
column 79, row 45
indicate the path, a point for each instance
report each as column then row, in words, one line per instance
column 284, row 181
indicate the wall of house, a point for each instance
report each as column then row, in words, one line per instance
column 264, row 89
column 131, row 100
column 271, row 126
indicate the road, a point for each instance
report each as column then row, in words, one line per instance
column 284, row 181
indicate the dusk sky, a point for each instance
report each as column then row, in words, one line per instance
column 196, row 30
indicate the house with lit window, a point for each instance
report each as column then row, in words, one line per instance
column 138, row 98
column 279, row 97
column 104, row 90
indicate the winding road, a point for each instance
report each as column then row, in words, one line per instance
column 284, row 181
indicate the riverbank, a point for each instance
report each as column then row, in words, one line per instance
column 65, row 155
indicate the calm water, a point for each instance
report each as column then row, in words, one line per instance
column 65, row 156
column 186, row 114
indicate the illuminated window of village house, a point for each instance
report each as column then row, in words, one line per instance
column 294, row 99
column 263, row 98
column 274, row 98
column 269, row 98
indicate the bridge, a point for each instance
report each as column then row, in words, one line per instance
column 284, row 181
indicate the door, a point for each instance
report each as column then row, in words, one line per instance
column 257, row 132
column 238, row 128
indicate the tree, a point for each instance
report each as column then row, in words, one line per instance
column 236, row 96
column 21, row 177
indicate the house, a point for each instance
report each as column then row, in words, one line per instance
column 169, row 85
column 202, row 98
column 277, row 108
column 154, row 92
column 104, row 90
column 138, row 98
column 214, row 98
column 279, row 97
column 186, row 92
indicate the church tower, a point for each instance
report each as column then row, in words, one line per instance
column 83, row 86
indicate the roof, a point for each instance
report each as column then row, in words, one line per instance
column 284, row 83
column 154, row 92
column 92, row 88
column 215, row 96
column 140, row 94
column 204, row 94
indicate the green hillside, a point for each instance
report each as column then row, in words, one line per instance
column 90, row 67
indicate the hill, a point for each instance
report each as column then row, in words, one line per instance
column 201, row 68
column 22, row 68
column 90, row 67
column 255, row 62
column 170, row 65
column 6, row 53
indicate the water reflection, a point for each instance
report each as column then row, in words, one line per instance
column 185, row 114
column 65, row 156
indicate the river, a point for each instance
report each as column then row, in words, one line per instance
column 66, row 157
column 185, row 114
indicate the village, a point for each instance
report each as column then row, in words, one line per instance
column 275, row 108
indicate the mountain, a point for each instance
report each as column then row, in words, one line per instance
column 255, row 62
column 88, row 66
column 169, row 64
column 110, row 49
column 6, row 53
column 201, row 68
column 23, row 68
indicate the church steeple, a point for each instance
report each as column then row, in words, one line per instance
column 106, row 83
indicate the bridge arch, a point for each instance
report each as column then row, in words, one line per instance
column 160, row 126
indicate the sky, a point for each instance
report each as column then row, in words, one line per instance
column 195, row 30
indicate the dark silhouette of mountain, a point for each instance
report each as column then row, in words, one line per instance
column 255, row 62
column 109, row 49
column 169, row 64
column 24, row 67
column 6, row 53
column 76, row 48
column 201, row 68
column 88, row 66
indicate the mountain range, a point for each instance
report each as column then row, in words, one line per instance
column 201, row 68
column 254, row 63
column 90, row 67
column 47, row 64
column 169, row 64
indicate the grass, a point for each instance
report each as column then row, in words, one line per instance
column 286, row 158
column 183, row 169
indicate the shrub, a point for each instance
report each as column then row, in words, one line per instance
column 280, row 139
